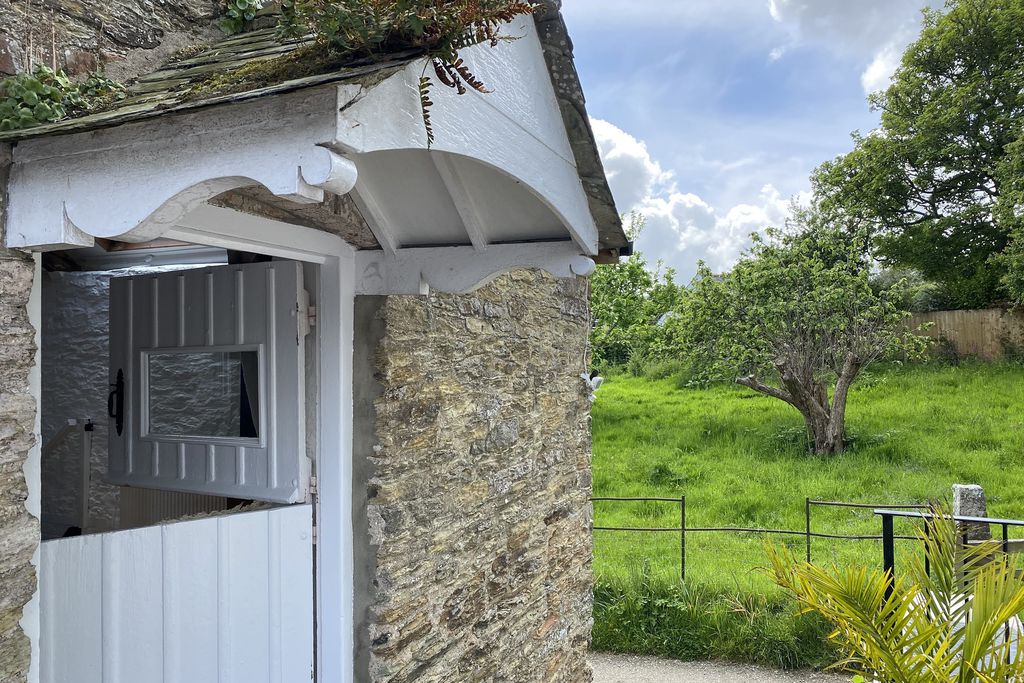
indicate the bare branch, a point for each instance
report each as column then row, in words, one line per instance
column 753, row 383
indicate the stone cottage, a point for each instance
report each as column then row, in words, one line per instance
column 285, row 394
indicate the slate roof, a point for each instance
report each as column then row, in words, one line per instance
column 170, row 88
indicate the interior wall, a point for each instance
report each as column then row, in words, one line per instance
column 75, row 384
column 75, row 358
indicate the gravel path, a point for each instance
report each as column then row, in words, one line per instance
column 631, row 669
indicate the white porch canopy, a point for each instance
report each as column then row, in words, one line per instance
column 499, row 189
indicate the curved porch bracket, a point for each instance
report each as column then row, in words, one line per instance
column 501, row 171
column 133, row 182
column 517, row 128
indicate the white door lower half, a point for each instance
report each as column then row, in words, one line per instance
column 220, row 600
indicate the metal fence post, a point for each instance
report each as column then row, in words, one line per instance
column 807, row 514
column 1006, row 558
column 888, row 553
column 682, row 538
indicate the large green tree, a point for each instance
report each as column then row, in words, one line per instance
column 627, row 301
column 796, row 319
column 931, row 180
column 1011, row 214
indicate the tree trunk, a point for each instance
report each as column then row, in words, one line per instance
column 826, row 432
column 825, row 419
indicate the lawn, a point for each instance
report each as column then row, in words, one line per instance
column 741, row 460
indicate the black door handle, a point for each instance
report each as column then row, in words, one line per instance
column 115, row 402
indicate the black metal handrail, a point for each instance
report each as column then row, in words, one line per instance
column 888, row 536
column 807, row 533
column 811, row 503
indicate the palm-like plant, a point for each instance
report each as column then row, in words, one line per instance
column 948, row 623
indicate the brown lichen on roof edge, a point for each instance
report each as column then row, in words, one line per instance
column 558, row 53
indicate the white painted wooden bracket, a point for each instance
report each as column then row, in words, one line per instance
column 229, row 229
column 459, row 270
column 517, row 129
column 134, row 182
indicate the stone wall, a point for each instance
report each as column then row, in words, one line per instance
column 19, row 531
column 126, row 36
column 479, row 546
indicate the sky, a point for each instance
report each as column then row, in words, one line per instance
column 711, row 114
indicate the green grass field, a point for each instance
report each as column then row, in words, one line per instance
column 741, row 460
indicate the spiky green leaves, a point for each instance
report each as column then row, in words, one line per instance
column 944, row 623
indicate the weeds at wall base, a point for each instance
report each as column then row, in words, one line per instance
column 649, row 614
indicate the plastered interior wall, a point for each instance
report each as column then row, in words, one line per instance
column 473, row 441
column 198, row 396
column 75, row 358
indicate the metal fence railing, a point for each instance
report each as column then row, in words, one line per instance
column 808, row 533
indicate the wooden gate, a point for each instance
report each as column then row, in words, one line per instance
column 220, row 600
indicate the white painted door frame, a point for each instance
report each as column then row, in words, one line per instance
column 335, row 335
column 333, row 467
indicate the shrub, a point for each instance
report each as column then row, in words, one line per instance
column 943, row 351
column 943, row 621
column 655, row 368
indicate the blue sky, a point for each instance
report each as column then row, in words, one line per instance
column 711, row 113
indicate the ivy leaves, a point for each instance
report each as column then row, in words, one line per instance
column 47, row 96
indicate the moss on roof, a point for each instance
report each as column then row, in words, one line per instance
column 236, row 68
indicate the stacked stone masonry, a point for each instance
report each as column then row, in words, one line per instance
column 19, row 531
column 125, row 37
column 479, row 512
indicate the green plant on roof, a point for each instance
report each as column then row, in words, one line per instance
column 239, row 15
column 45, row 96
column 374, row 28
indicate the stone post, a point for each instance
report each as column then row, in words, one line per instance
column 969, row 501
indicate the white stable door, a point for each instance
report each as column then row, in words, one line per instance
column 221, row 600
column 206, row 382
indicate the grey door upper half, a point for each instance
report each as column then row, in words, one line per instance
column 207, row 381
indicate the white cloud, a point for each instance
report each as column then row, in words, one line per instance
column 876, row 31
column 646, row 13
column 882, row 67
column 863, row 26
column 682, row 228
column 629, row 166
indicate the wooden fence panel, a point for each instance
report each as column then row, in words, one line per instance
column 986, row 334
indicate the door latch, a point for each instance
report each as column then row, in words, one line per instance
column 115, row 402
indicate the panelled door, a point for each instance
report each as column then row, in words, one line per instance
column 221, row 600
column 206, row 382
